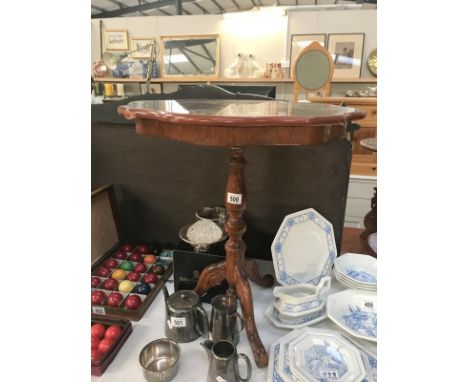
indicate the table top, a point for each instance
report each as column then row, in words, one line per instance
column 235, row 112
column 239, row 122
column 193, row 365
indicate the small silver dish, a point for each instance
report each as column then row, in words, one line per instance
column 200, row 247
column 159, row 360
column 216, row 214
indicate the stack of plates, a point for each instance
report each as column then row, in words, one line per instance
column 357, row 271
column 320, row 355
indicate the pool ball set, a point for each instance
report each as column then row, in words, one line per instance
column 107, row 337
column 125, row 283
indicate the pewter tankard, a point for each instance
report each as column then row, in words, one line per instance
column 224, row 362
column 186, row 320
column 225, row 322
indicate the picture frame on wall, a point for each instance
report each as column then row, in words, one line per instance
column 347, row 51
column 116, row 39
column 141, row 47
column 300, row 41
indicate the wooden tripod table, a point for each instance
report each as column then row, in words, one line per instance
column 237, row 124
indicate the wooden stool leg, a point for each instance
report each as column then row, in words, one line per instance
column 253, row 274
column 211, row 276
column 244, row 295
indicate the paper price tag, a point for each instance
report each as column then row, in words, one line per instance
column 234, row 198
column 178, row 322
column 98, row 310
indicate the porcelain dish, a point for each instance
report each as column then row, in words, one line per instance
column 308, row 343
column 316, row 357
column 355, row 311
column 273, row 315
column 288, row 317
column 299, row 299
column 304, row 248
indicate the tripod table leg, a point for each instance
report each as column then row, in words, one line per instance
column 253, row 274
column 211, row 276
column 245, row 297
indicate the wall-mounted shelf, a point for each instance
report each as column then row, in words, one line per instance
column 222, row 80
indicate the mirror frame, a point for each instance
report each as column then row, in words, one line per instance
column 189, row 76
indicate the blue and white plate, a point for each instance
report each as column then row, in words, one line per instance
column 304, row 248
column 273, row 375
column 355, row 311
column 284, row 367
column 325, row 357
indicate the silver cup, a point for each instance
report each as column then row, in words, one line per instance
column 159, row 360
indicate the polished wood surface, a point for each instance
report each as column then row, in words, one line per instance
column 238, row 123
column 250, row 113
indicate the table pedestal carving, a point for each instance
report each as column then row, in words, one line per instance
column 236, row 269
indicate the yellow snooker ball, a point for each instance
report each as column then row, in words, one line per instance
column 126, row 286
column 119, row 274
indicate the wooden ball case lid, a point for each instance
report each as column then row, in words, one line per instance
column 105, row 232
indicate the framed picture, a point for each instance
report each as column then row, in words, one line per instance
column 141, row 47
column 346, row 50
column 116, row 39
column 300, row 41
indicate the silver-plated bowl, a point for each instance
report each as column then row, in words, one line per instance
column 159, row 360
column 216, row 214
column 200, row 247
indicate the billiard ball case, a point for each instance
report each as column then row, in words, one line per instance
column 106, row 241
column 100, row 366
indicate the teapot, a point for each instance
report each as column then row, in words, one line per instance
column 186, row 320
column 224, row 362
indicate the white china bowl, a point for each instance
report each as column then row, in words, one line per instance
column 353, row 285
column 355, row 311
column 361, row 269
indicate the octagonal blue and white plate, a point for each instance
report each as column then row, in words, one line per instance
column 324, row 357
column 304, row 248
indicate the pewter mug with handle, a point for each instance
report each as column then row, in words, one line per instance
column 186, row 320
column 225, row 322
column 224, row 362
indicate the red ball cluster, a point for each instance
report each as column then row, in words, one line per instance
column 103, row 340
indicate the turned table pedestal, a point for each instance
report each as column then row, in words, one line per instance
column 238, row 124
